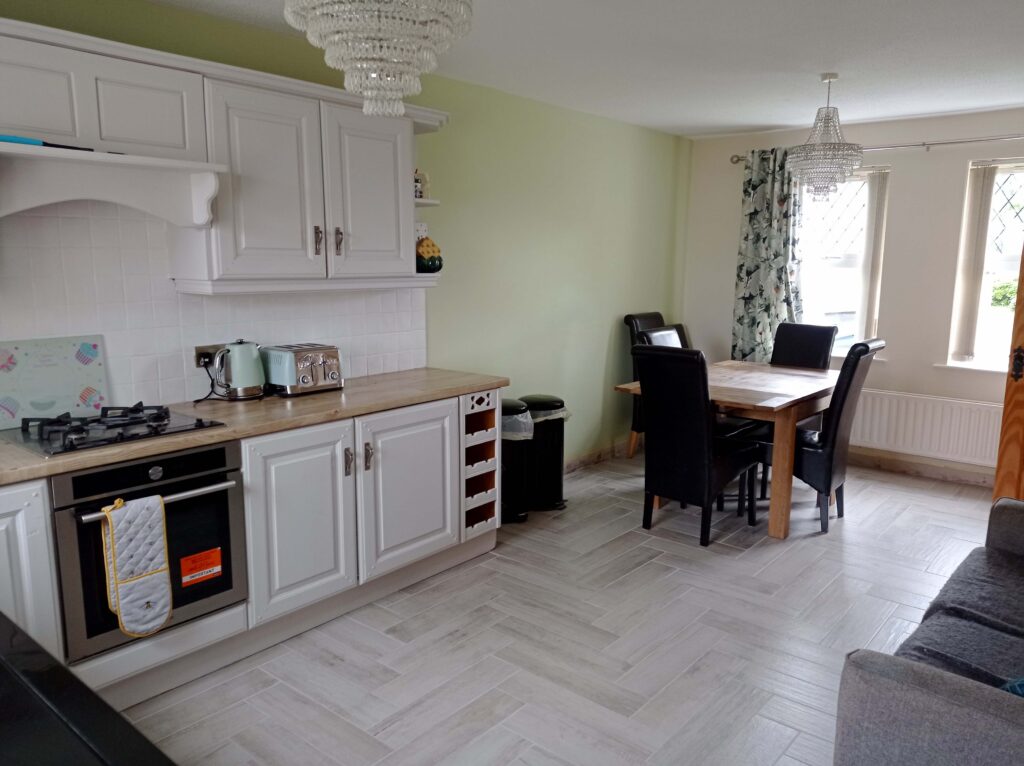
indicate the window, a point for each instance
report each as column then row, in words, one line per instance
column 990, row 252
column 839, row 244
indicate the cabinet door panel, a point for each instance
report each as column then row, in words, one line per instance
column 368, row 190
column 266, row 216
column 41, row 91
column 301, row 516
column 94, row 101
column 408, row 497
column 27, row 564
column 149, row 110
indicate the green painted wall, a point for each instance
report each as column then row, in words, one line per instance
column 553, row 224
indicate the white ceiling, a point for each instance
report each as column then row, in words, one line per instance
column 714, row 66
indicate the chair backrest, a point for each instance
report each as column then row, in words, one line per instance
column 803, row 345
column 638, row 322
column 838, row 421
column 672, row 336
column 679, row 422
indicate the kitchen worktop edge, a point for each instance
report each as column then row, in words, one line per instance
column 361, row 396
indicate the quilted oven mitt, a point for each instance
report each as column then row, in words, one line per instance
column 135, row 555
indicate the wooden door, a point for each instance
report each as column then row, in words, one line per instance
column 92, row 101
column 267, row 218
column 368, row 188
column 1009, row 480
column 301, row 517
column 408, row 494
column 28, row 592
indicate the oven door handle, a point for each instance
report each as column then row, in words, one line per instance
column 91, row 517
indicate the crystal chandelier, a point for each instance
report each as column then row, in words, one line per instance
column 382, row 46
column 825, row 160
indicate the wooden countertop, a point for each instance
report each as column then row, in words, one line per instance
column 361, row 396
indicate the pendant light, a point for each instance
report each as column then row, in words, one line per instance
column 825, row 160
column 382, row 46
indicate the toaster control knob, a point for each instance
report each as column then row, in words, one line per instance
column 333, row 375
column 305, row 380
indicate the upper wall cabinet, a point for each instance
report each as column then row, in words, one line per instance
column 82, row 99
column 269, row 216
column 367, row 186
column 319, row 197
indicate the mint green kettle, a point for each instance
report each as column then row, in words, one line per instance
column 238, row 370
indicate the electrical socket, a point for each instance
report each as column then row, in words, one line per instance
column 204, row 354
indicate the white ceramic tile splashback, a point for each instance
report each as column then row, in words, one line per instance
column 92, row 267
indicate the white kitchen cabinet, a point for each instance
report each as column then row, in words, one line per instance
column 368, row 193
column 301, row 517
column 319, row 197
column 407, row 485
column 28, row 593
column 82, row 99
column 269, row 221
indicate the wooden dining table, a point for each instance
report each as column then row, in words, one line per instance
column 780, row 395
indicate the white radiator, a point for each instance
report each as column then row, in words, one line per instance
column 930, row 426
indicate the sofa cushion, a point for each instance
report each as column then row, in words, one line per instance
column 987, row 587
column 965, row 647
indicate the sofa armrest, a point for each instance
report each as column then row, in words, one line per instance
column 894, row 711
column 1006, row 526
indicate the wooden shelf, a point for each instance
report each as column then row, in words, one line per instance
column 178, row 191
column 424, row 202
column 258, row 286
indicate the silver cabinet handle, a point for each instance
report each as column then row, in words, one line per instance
column 339, row 240
column 188, row 495
column 350, row 458
column 367, row 455
column 318, row 238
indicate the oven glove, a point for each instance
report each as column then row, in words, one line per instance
column 135, row 558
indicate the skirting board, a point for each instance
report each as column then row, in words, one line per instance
column 618, row 449
column 929, row 468
column 172, row 674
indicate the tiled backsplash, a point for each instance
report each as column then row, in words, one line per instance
column 86, row 267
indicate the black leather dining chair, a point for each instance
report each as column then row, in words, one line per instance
column 801, row 345
column 637, row 323
column 822, row 455
column 684, row 460
column 672, row 336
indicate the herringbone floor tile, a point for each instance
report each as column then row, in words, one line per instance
column 583, row 639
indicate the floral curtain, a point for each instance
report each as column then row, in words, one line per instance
column 768, row 271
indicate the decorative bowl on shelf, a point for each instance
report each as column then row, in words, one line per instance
column 430, row 265
column 428, row 256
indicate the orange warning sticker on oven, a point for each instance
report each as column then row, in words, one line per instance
column 200, row 566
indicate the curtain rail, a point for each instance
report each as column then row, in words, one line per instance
column 736, row 159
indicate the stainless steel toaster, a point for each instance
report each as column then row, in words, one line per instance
column 301, row 368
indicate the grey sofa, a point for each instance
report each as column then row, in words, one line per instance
column 937, row 701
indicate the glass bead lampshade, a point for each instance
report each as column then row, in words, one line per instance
column 382, row 46
column 825, row 160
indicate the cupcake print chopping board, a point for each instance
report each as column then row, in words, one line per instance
column 48, row 376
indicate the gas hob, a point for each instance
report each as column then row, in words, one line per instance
column 114, row 425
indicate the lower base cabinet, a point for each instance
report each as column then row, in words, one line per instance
column 408, row 485
column 28, row 590
column 334, row 505
column 301, row 517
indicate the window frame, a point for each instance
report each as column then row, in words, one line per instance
column 877, row 178
column 970, row 273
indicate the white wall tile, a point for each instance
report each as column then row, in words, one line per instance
column 89, row 267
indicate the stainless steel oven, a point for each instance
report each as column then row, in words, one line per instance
column 202, row 491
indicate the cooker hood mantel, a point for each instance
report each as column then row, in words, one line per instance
column 178, row 191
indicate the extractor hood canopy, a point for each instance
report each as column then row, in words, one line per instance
column 180, row 192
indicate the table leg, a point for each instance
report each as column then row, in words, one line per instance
column 634, row 440
column 782, row 473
